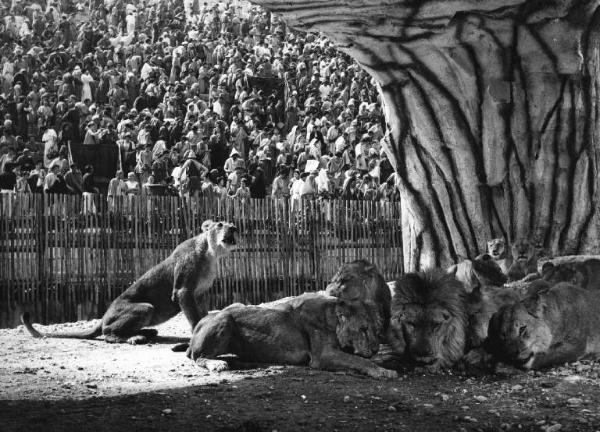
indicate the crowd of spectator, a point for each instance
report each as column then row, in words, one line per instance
column 194, row 99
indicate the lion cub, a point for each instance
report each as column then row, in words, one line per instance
column 496, row 248
column 522, row 260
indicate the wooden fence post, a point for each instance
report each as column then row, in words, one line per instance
column 77, row 257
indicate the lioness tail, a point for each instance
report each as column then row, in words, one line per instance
column 86, row 334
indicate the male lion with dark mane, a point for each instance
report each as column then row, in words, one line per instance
column 435, row 322
column 312, row 329
column 429, row 319
column 551, row 327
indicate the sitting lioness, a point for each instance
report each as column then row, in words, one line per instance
column 525, row 257
column 551, row 327
column 311, row 329
column 184, row 276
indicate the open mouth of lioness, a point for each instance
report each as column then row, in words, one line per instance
column 495, row 253
column 230, row 237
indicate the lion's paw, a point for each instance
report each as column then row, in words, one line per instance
column 137, row 340
column 213, row 365
column 433, row 368
column 383, row 373
column 474, row 357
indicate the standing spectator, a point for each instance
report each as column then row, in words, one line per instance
column 21, row 184
column 258, row 186
column 89, row 184
column 116, row 188
column 74, row 180
column 53, row 182
column 132, row 185
column 8, row 178
column 243, row 192
column 281, row 187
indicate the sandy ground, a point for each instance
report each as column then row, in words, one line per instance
column 71, row 385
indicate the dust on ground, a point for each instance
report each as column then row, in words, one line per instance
column 71, row 385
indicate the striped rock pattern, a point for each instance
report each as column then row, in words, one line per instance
column 492, row 107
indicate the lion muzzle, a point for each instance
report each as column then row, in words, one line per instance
column 230, row 237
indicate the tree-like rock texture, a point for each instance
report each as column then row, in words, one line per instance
column 492, row 109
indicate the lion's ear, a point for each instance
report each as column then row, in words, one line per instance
column 546, row 268
column 206, row 225
column 534, row 305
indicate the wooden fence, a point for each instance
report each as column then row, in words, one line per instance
column 65, row 257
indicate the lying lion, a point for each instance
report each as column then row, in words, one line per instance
column 177, row 283
column 551, row 327
column 361, row 281
column 435, row 322
column 311, row 329
column 579, row 270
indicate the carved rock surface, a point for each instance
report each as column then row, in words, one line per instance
column 492, row 107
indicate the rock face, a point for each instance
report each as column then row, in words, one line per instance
column 493, row 111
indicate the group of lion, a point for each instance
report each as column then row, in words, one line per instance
column 437, row 318
column 526, row 310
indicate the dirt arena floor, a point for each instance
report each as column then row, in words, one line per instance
column 73, row 385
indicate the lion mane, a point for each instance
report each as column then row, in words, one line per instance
column 429, row 318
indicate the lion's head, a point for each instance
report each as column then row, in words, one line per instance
column 568, row 272
column 496, row 248
column 522, row 250
column 517, row 333
column 429, row 318
column 583, row 273
column 221, row 236
column 357, row 328
column 482, row 271
column 361, row 281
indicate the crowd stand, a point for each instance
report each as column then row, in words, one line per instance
column 195, row 99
